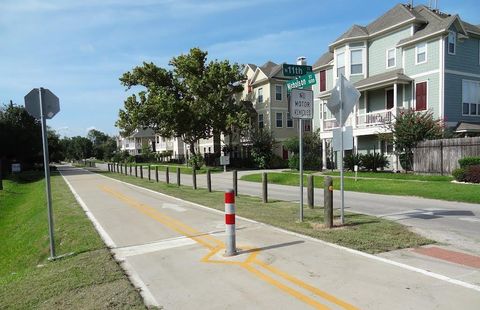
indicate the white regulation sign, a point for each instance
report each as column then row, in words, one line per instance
column 301, row 103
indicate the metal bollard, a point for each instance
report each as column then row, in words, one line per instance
column 167, row 175
column 328, row 201
column 156, row 173
column 264, row 187
column 230, row 246
column 209, row 180
column 194, row 178
column 235, row 182
column 178, row 176
column 310, row 191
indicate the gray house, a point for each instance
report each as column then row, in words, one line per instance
column 410, row 57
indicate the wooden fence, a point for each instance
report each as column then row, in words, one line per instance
column 441, row 156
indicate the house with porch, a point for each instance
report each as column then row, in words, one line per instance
column 410, row 57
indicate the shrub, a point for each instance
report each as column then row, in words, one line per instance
column 294, row 162
column 374, row 161
column 277, row 162
column 469, row 161
column 351, row 160
column 472, row 174
column 459, row 174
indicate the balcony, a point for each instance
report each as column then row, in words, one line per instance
column 366, row 120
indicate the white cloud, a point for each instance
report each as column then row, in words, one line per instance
column 90, row 128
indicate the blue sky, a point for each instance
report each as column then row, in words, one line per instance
column 79, row 49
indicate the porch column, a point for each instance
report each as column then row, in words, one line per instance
column 355, row 144
column 321, row 116
column 324, row 154
column 395, row 101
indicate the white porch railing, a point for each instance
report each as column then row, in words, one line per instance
column 377, row 118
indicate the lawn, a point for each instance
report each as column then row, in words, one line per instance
column 361, row 232
column 434, row 188
column 393, row 176
column 89, row 278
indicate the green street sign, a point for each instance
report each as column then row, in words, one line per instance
column 301, row 82
column 295, row 70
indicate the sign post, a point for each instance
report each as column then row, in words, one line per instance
column 343, row 98
column 301, row 107
column 43, row 104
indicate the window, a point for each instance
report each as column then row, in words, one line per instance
column 279, row 120
column 323, row 80
column 421, row 96
column 391, row 58
column 260, row 95
column 389, row 99
column 340, row 64
column 356, row 66
column 260, row 121
column 452, row 42
column 289, row 120
column 421, row 53
column 278, row 92
column 471, row 98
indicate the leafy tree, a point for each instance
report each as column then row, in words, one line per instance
column 410, row 128
column 103, row 145
column 312, row 151
column 193, row 101
column 78, row 147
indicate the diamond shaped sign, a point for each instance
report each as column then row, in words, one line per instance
column 51, row 103
column 345, row 90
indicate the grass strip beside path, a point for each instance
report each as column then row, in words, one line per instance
column 361, row 232
column 443, row 190
column 90, row 278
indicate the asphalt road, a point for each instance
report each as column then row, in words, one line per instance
column 452, row 223
column 173, row 250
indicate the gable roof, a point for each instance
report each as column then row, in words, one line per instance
column 324, row 60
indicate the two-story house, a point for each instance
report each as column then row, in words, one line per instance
column 138, row 140
column 265, row 88
column 410, row 57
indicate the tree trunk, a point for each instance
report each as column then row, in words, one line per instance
column 193, row 155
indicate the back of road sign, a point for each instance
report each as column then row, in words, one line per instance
column 51, row 104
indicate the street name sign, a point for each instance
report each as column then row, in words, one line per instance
column 301, row 82
column 301, row 103
column 295, row 70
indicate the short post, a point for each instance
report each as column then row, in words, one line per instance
column 264, row 187
column 209, row 180
column 126, row 171
column 194, row 178
column 230, row 246
column 130, row 169
column 141, row 171
column 136, row 171
column 108, row 167
column 156, row 173
column 1, row 177
column 235, row 182
column 149, row 175
column 118, row 167
column 310, row 191
column 121, row 168
column 178, row 176
column 167, row 175
column 328, row 201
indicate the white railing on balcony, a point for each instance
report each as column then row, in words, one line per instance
column 331, row 123
column 377, row 118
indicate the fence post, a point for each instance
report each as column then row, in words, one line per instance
column 230, row 246
column 194, row 178
column 209, row 180
column 441, row 157
column 264, row 187
column 310, row 191
column 328, row 202
column 149, row 175
column 167, row 175
column 178, row 176
column 156, row 173
column 136, row 171
column 126, row 166
column 141, row 171
column 235, row 182
column 130, row 169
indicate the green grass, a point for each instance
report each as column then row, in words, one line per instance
column 89, row 278
column 393, row 176
column 361, row 232
column 444, row 190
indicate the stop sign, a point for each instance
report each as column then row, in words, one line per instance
column 51, row 103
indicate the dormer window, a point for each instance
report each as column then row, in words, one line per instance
column 452, row 42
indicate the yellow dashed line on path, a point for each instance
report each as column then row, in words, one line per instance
column 251, row 264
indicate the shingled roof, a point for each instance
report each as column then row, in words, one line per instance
column 325, row 59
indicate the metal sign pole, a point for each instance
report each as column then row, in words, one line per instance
column 47, row 175
column 342, row 218
column 300, row 142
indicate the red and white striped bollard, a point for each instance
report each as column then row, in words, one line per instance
column 230, row 247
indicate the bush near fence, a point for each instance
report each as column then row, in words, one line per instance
column 442, row 156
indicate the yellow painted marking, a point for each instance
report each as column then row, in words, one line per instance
column 306, row 286
column 252, row 259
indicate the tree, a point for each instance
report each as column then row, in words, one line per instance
column 262, row 142
column 411, row 127
column 103, row 145
column 78, row 147
column 193, row 101
column 312, row 151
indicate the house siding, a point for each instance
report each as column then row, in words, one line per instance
column 377, row 51
column 432, row 63
column 466, row 58
column 453, row 98
column 433, row 87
